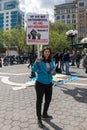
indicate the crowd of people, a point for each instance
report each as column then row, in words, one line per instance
column 11, row 60
column 65, row 59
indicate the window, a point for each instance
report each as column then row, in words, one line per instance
column 0, row 7
column 58, row 17
column 13, row 24
column 63, row 17
column 68, row 16
column 73, row 16
column 58, row 11
column 81, row 3
column 81, row 16
column 1, row 25
column 13, row 20
column 14, row 16
column 1, row 21
column 7, row 28
column 6, row 20
column 14, row 12
column 7, row 12
column 82, row 29
column 62, row 11
column 7, row 17
column 6, row 24
column 1, row 16
column 68, row 21
column 82, row 10
column 10, row 5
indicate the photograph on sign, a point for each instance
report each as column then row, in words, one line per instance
column 37, row 29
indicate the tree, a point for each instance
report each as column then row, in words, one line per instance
column 57, row 37
column 17, row 37
column 7, row 38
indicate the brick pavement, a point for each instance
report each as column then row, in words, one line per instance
column 68, row 106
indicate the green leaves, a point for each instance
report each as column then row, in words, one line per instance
column 17, row 37
column 57, row 36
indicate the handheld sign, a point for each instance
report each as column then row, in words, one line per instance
column 37, row 29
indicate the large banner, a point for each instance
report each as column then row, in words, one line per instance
column 37, row 29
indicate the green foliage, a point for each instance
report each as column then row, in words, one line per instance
column 57, row 36
column 17, row 37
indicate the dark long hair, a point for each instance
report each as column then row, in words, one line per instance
column 43, row 57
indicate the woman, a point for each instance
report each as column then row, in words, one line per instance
column 44, row 68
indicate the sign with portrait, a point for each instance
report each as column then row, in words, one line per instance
column 37, row 29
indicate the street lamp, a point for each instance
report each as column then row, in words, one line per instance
column 72, row 34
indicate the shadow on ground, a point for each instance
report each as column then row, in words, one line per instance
column 79, row 94
column 54, row 126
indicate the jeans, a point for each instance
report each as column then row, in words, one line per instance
column 78, row 64
column 62, row 65
column 67, row 67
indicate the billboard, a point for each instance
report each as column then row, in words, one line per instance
column 37, row 29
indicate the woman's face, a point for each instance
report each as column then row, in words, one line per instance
column 46, row 53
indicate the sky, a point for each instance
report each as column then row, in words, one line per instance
column 40, row 6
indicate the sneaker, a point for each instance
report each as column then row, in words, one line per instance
column 40, row 124
column 47, row 117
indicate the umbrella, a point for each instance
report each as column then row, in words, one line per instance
column 84, row 40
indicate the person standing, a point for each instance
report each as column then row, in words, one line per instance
column 66, row 58
column 78, row 58
column 44, row 68
column 61, row 61
column 0, row 62
column 85, row 63
column 56, row 58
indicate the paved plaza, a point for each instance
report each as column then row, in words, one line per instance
column 17, row 106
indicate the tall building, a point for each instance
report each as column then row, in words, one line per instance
column 10, row 14
column 68, row 1
column 73, row 13
column 82, row 18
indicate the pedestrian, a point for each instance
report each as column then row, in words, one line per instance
column 84, row 56
column 0, row 62
column 45, row 68
column 78, row 58
column 66, row 59
column 56, row 58
column 73, row 56
column 30, row 60
column 61, row 61
column 85, row 63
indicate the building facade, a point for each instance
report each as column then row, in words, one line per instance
column 10, row 14
column 82, row 18
column 73, row 13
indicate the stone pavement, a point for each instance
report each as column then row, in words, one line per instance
column 68, row 106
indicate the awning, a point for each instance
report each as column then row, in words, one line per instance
column 80, row 45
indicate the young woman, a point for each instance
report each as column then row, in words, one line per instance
column 44, row 68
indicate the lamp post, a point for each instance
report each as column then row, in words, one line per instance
column 72, row 34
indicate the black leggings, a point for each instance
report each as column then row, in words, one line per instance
column 41, row 90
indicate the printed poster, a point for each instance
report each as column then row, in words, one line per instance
column 37, row 29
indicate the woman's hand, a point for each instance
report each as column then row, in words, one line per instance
column 38, row 61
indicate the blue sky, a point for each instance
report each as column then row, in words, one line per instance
column 40, row 6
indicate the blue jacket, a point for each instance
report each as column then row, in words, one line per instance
column 43, row 76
